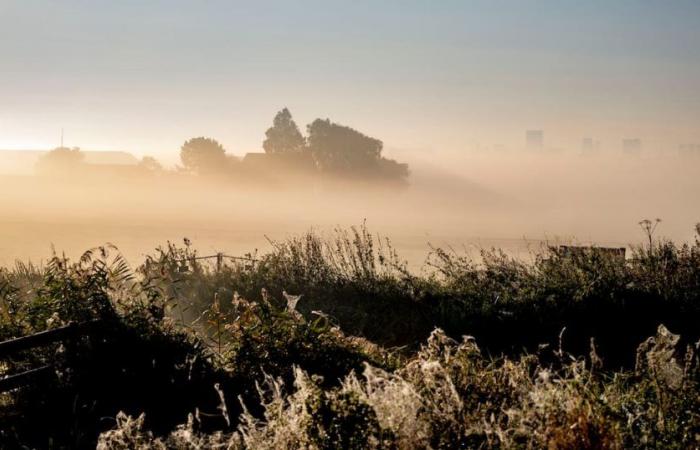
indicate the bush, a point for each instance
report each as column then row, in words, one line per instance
column 140, row 360
column 450, row 396
column 216, row 348
column 361, row 284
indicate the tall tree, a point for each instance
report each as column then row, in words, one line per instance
column 203, row 155
column 284, row 135
column 338, row 148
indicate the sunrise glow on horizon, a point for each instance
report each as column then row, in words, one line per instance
column 450, row 77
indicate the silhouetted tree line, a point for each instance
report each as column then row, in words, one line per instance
column 327, row 149
column 330, row 148
column 60, row 159
column 72, row 161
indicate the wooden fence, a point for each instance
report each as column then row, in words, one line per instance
column 43, row 338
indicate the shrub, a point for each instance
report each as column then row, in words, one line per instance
column 141, row 361
column 450, row 396
column 225, row 350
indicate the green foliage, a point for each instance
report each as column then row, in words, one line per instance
column 354, row 278
column 264, row 340
column 224, row 349
column 509, row 305
column 361, row 284
column 134, row 361
column 138, row 360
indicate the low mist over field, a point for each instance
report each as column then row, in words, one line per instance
column 508, row 199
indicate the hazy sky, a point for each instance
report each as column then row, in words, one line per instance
column 440, row 75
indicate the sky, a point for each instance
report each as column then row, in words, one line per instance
column 440, row 77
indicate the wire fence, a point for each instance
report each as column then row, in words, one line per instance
column 220, row 258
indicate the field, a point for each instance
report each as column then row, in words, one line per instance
column 509, row 201
column 469, row 328
column 564, row 350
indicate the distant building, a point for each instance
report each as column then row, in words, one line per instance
column 534, row 139
column 23, row 162
column 589, row 146
column 632, row 146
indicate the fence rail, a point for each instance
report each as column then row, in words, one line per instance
column 18, row 380
column 7, row 348
column 220, row 257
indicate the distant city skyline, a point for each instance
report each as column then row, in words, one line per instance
column 447, row 76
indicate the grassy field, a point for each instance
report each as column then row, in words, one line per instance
column 333, row 342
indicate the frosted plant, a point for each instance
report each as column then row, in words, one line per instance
column 292, row 301
column 449, row 396
column 656, row 355
column 286, row 418
column 129, row 434
column 222, row 404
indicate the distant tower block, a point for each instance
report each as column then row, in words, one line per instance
column 632, row 146
column 588, row 146
column 534, row 139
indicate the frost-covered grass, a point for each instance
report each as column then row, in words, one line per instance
column 450, row 396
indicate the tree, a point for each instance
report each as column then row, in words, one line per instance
column 151, row 164
column 284, row 135
column 203, row 155
column 392, row 169
column 60, row 159
column 337, row 148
